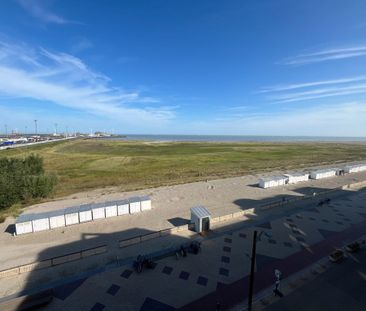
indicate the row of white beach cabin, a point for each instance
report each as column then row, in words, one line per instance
column 28, row 223
column 294, row 178
column 355, row 168
column 281, row 180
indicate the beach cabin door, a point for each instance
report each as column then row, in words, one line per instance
column 205, row 224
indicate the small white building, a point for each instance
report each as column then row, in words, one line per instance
column 98, row 211
column 295, row 178
column 355, row 168
column 72, row 215
column 273, row 181
column 201, row 218
column 23, row 224
column 85, row 213
column 57, row 219
column 41, row 222
column 145, row 203
column 123, row 207
column 135, row 205
column 324, row 173
column 110, row 209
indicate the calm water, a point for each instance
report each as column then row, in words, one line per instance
column 227, row 138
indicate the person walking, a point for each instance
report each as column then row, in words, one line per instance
column 278, row 276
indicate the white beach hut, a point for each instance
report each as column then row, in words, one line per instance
column 273, row 181
column 85, row 213
column 135, row 205
column 98, row 211
column 295, row 178
column 123, row 207
column 57, row 219
column 355, row 168
column 110, row 209
column 41, row 222
column 72, row 215
column 23, row 224
column 145, row 203
column 324, row 173
column 201, row 218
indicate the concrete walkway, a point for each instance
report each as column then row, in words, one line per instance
column 342, row 287
column 293, row 239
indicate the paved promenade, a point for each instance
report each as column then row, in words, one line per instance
column 292, row 239
column 342, row 287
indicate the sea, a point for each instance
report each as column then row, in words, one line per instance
column 233, row 138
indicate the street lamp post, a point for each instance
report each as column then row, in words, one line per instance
column 252, row 267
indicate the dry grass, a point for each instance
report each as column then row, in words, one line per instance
column 89, row 164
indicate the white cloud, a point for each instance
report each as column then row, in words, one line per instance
column 320, row 93
column 82, row 45
column 315, row 90
column 326, row 55
column 309, row 84
column 62, row 79
column 38, row 10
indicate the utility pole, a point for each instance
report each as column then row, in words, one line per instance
column 6, row 130
column 252, row 267
column 35, row 126
column 56, row 129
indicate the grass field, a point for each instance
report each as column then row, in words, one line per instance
column 88, row 164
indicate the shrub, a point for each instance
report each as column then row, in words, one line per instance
column 23, row 179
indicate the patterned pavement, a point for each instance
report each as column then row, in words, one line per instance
column 288, row 242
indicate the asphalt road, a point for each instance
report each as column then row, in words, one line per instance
column 342, row 287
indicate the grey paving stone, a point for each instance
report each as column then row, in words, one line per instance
column 287, row 244
column 184, row 275
column 224, row 272
column 226, row 249
column 113, row 289
column 126, row 274
column 202, row 281
column 97, row 307
column 167, row 270
column 228, row 240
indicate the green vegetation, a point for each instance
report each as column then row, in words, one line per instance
column 88, row 164
column 23, row 180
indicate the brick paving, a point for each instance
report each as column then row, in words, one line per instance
column 220, row 272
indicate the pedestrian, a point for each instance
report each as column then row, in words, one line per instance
column 218, row 306
column 278, row 276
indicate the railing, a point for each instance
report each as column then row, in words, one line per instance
column 37, row 265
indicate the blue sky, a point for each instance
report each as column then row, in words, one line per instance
column 255, row 67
